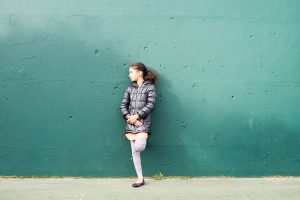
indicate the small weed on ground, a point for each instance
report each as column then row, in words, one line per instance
column 158, row 176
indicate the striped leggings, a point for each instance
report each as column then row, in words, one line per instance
column 137, row 146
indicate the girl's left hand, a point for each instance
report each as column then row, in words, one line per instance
column 132, row 119
column 138, row 123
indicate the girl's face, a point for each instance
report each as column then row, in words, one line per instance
column 134, row 74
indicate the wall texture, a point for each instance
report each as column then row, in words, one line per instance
column 229, row 87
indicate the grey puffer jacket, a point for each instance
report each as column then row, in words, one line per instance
column 141, row 101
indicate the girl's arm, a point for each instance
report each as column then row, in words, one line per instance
column 149, row 107
column 125, row 103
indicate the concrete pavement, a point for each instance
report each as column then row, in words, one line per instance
column 168, row 188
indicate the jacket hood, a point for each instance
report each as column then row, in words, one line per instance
column 144, row 83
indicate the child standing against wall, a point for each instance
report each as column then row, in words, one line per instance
column 137, row 104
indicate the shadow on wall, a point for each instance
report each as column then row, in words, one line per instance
column 216, row 137
column 166, row 152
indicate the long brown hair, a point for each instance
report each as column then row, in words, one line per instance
column 148, row 74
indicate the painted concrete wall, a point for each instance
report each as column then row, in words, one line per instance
column 229, row 86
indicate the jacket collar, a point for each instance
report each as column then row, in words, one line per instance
column 144, row 83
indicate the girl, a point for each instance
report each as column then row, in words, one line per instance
column 137, row 104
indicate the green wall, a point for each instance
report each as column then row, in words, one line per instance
column 229, row 87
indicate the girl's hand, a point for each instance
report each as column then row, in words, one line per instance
column 131, row 119
column 138, row 123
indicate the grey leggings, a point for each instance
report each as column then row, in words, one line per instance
column 137, row 146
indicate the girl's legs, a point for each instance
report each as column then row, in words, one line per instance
column 137, row 146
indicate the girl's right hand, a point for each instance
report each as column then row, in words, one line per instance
column 132, row 119
column 138, row 123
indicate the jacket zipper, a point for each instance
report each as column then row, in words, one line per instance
column 136, row 99
column 135, row 109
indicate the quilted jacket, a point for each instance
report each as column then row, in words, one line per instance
column 141, row 101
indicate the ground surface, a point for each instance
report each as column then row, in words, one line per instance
column 169, row 188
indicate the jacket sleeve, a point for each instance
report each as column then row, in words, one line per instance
column 125, row 103
column 149, row 107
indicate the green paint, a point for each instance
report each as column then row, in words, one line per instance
column 228, row 94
